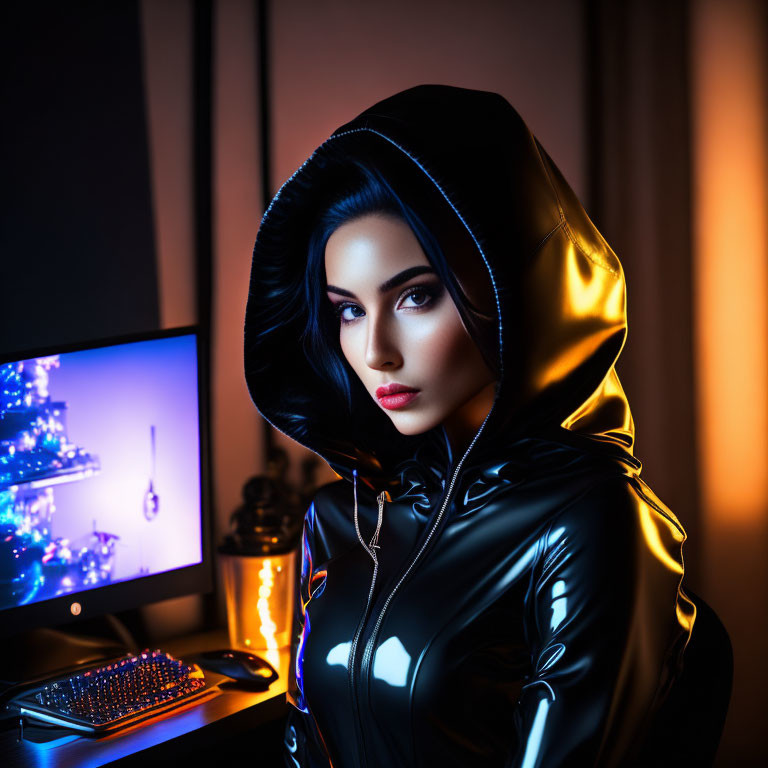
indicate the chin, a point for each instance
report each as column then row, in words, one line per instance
column 413, row 427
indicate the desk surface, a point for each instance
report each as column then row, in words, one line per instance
column 228, row 710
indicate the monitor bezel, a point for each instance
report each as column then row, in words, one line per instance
column 136, row 593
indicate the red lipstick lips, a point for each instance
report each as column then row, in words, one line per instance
column 395, row 395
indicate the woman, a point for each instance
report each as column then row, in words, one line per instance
column 490, row 581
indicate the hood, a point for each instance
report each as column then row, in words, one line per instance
column 522, row 248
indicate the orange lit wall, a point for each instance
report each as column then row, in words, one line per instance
column 732, row 263
column 730, row 222
column 236, row 426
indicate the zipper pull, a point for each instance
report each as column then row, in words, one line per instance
column 375, row 540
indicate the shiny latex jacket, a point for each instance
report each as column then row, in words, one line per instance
column 518, row 605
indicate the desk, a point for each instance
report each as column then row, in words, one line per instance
column 199, row 731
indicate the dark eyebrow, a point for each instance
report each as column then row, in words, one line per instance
column 393, row 282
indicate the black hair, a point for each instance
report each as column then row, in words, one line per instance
column 366, row 192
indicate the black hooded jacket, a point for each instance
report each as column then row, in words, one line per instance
column 523, row 605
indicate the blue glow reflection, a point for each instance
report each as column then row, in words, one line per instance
column 555, row 535
column 534, row 738
column 559, row 604
column 339, row 654
column 392, row 662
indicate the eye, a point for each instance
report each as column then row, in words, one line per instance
column 420, row 295
column 419, row 292
column 339, row 310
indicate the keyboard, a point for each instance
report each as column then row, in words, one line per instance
column 103, row 699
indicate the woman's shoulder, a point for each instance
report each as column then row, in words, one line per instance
column 328, row 503
column 620, row 514
column 329, row 519
column 603, row 484
column 331, row 491
column 623, row 498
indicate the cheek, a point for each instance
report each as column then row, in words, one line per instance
column 445, row 348
column 353, row 350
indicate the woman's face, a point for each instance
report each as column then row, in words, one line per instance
column 399, row 328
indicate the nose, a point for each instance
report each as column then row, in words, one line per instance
column 382, row 350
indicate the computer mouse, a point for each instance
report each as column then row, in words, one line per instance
column 241, row 665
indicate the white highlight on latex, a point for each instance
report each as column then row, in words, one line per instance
column 559, row 604
column 392, row 662
column 534, row 738
column 339, row 654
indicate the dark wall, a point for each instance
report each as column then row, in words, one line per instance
column 76, row 232
column 640, row 189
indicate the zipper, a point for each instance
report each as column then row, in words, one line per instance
column 371, row 550
column 368, row 650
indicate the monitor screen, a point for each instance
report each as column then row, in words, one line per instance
column 100, row 468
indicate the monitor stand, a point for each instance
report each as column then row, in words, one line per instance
column 41, row 653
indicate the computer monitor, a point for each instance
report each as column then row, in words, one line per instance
column 103, row 478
